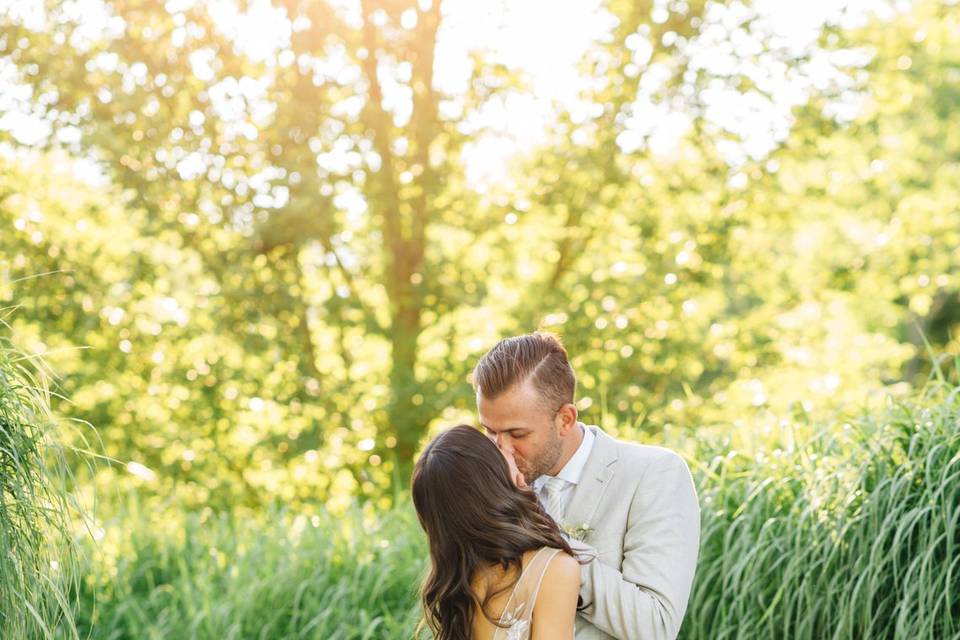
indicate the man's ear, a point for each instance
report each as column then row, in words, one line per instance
column 567, row 415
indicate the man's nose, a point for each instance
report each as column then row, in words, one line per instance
column 504, row 442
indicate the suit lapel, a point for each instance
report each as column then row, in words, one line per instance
column 596, row 477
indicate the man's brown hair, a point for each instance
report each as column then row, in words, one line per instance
column 538, row 357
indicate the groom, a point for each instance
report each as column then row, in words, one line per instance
column 633, row 506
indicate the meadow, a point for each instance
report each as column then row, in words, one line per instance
column 855, row 533
column 250, row 253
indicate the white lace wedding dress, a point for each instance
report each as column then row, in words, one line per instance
column 519, row 610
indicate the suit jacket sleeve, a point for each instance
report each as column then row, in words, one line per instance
column 649, row 597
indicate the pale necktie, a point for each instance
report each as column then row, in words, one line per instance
column 551, row 497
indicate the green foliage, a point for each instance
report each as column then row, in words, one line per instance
column 130, row 321
column 276, row 282
column 853, row 533
column 37, row 557
column 251, row 326
column 275, row 575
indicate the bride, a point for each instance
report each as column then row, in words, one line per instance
column 499, row 567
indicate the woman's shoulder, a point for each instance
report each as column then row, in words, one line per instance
column 561, row 566
column 555, row 607
column 552, row 571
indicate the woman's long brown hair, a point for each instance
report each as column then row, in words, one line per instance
column 474, row 517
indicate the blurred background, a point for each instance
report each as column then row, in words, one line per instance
column 262, row 244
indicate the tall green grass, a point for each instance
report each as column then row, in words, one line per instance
column 37, row 559
column 271, row 576
column 855, row 533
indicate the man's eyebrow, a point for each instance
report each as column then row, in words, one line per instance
column 511, row 430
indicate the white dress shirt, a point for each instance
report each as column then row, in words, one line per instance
column 571, row 471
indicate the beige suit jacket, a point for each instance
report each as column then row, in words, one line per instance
column 641, row 507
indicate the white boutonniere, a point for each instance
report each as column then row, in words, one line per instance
column 579, row 532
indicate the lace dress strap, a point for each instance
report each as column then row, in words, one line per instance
column 519, row 610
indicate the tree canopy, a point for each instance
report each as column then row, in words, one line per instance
column 279, row 277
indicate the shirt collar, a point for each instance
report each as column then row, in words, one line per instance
column 572, row 471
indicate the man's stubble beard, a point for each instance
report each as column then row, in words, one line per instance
column 551, row 454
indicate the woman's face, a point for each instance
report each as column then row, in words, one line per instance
column 515, row 474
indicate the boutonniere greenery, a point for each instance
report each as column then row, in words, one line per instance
column 579, row 532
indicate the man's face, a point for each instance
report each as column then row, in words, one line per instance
column 520, row 424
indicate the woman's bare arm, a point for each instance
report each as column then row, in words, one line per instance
column 555, row 610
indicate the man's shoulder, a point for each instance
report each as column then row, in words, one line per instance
column 652, row 471
column 643, row 456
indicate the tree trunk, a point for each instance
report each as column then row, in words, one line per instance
column 405, row 416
